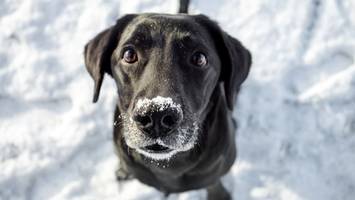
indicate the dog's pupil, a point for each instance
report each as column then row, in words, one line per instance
column 130, row 56
column 199, row 59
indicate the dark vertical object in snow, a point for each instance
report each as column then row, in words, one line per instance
column 184, row 6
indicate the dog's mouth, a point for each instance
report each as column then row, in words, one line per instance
column 156, row 148
column 162, row 146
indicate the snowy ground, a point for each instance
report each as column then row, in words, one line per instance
column 297, row 110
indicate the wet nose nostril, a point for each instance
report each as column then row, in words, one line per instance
column 168, row 121
column 144, row 120
column 157, row 123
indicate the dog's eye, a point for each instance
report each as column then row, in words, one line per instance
column 130, row 55
column 199, row 59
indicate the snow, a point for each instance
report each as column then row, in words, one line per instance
column 296, row 136
column 157, row 103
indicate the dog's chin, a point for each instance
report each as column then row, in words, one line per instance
column 161, row 151
column 165, row 153
column 162, row 148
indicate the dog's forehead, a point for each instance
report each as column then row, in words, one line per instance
column 177, row 26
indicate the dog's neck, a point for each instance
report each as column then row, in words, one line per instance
column 218, row 121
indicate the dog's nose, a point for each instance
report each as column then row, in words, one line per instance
column 158, row 123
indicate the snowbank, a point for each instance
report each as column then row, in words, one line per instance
column 296, row 110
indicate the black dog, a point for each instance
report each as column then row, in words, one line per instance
column 177, row 78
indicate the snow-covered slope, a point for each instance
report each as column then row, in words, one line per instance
column 296, row 112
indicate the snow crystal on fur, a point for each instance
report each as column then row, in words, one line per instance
column 158, row 103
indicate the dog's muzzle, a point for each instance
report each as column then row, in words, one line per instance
column 157, row 128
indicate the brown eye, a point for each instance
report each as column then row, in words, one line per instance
column 199, row 59
column 130, row 55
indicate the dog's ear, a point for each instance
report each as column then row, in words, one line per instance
column 98, row 51
column 235, row 59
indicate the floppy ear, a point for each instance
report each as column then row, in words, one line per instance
column 235, row 59
column 98, row 52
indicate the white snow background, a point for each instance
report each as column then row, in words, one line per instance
column 296, row 111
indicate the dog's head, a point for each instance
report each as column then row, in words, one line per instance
column 166, row 68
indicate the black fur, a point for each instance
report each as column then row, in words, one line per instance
column 164, row 69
